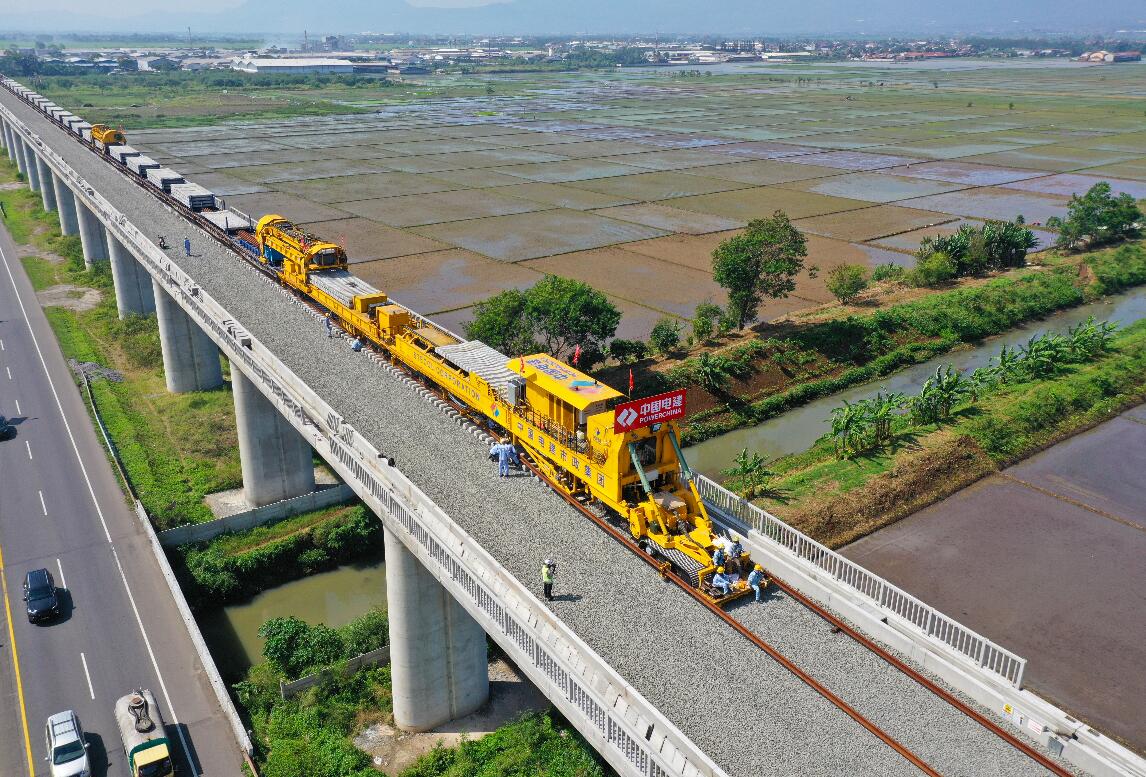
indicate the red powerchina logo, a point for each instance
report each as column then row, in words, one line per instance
column 648, row 411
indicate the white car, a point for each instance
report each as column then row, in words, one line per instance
column 67, row 751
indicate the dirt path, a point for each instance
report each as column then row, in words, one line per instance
column 509, row 696
column 66, row 295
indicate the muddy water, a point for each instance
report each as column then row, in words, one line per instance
column 334, row 598
column 798, row 429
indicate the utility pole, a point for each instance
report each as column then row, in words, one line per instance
column 188, row 37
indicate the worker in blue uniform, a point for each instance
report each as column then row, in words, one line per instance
column 756, row 580
column 722, row 581
column 505, row 453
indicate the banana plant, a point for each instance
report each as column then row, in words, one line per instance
column 939, row 394
column 749, row 474
column 881, row 411
column 851, row 425
column 1044, row 355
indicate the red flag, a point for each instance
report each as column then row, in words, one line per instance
column 576, row 355
column 630, row 380
column 521, row 363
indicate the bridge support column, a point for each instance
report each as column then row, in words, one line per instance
column 133, row 292
column 65, row 206
column 18, row 149
column 277, row 461
column 32, row 162
column 437, row 651
column 47, row 190
column 91, row 235
column 9, row 144
column 190, row 359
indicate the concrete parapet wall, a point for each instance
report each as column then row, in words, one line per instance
column 259, row 516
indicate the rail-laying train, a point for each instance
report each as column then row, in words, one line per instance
column 566, row 421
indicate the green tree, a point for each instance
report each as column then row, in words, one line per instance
column 566, row 313
column 502, row 322
column 295, row 646
column 711, row 372
column 665, row 336
column 939, row 394
column 847, row 281
column 705, row 320
column 627, row 351
column 761, row 262
column 932, row 270
column 1097, row 217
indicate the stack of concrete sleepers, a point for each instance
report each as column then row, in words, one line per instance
column 141, row 164
column 226, row 220
column 122, row 153
column 164, row 177
column 193, row 196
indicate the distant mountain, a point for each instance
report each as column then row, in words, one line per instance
column 731, row 17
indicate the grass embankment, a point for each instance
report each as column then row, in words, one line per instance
column 837, row 500
column 309, row 734
column 789, row 364
column 235, row 566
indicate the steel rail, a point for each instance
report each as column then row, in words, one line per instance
column 744, row 631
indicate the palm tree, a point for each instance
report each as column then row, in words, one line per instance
column 749, row 473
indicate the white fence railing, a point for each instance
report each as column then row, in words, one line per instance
column 894, row 601
column 631, row 734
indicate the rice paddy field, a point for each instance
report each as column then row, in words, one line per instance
column 629, row 179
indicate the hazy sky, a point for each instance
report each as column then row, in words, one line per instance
column 133, row 7
column 734, row 17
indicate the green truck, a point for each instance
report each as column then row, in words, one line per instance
column 144, row 740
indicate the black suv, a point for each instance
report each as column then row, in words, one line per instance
column 7, row 431
column 40, row 594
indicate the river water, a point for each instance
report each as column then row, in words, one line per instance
column 798, row 429
column 334, row 598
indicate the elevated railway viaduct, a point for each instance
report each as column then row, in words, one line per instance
column 652, row 680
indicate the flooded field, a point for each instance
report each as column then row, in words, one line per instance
column 798, row 429
column 334, row 598
column 553, row 172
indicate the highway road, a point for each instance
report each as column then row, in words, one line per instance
column 61, row 508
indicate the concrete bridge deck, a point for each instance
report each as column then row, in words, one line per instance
column 742, row 709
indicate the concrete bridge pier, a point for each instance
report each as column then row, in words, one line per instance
column 32, row 162
column 23, row 154
column 9, row 144
column 47, row 189
column 437, row 651
column 190, row 359
column 18, row 153
column 277, row 461
column 133, row 292
column 91, row 235
column 65, row 206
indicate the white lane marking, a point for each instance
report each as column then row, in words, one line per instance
column 1, row 345
column 9, row 371
column 18, row 408
column 27, row 444
column 88, row 675
column 99, row 510
column 60, row 567
column 42, row 505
